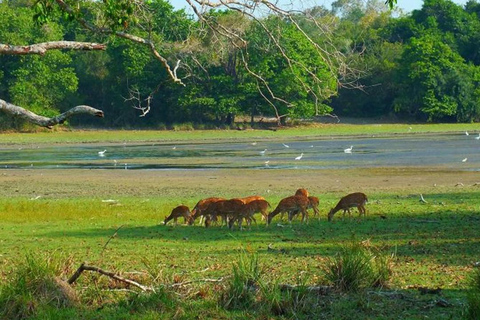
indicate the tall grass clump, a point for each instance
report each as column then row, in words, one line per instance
column 33, row 286
column 242, row 288
column 292, row 302
column 358, row 266
column 473, row 296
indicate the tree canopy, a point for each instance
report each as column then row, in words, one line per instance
column 151, row 65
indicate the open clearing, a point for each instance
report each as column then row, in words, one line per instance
column 61, row 212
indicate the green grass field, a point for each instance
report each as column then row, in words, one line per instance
column 431, row 245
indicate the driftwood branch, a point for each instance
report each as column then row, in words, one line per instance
column 44, row 121
column 112, row 275
column 42, row 48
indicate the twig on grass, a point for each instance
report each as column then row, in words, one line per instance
column 112, row 275
column 111, row 237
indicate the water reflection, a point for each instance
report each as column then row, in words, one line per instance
column 411, row 150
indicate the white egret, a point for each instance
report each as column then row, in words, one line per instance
column 348, row 150
column 263, row 152
column 254, row 143
column 466, row 133
column 102, row 153
column 299, row 157
column 465, row 160
column 286, row 146
column 477, row 138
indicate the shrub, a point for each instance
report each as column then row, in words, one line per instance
column 34, row 286
column 473, row 296
column 243, row 287
column 358, row 266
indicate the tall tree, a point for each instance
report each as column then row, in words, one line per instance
column 135, row 21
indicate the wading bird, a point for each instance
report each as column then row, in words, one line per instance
column 299, row 157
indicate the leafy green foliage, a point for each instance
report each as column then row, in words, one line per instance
column 244, row 284
column 473, row 296
column 34, row 286
column 358, row 266
column 395, row 56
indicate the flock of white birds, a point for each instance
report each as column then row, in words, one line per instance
column 264, row 152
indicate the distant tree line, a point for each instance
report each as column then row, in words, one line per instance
column 423, row 66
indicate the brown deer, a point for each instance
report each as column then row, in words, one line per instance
column 301, row 192
column 251, row 198
column 200, row 208
column 177, row 212
column 290, row 205
column 223, row 208
column 313, row 203
column 248, row 212
column 357, row 199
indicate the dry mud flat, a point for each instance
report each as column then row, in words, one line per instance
column 194, row 184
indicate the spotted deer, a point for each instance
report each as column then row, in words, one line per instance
column 177, row 212
column 248, row 212
column 201, row 206
column 313, row 203
column 290, row 205
column 357, row 199
column 226, row 209
column 301, row 192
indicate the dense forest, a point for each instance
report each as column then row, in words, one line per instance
column 419, row 66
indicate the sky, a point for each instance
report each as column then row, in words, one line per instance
column 405, row 5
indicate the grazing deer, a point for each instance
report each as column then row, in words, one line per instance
column 177, row 212
column 200, row 208
column 290, row 205
column 248, row 211
column 301, row 192
column 356, row 199
column 251, row 198
column 224, row 208
column 313, row 203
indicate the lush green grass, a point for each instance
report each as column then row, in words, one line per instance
column 314, row 130
column 434, row 246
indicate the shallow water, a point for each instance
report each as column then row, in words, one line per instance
column 441, row 150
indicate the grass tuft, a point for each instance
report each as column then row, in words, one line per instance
column 243, row 286
column 33, row 286
column 358, row 266
column 473, row 296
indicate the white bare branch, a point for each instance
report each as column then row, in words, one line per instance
column 45, row 121
column 123, row 35
column 42, row 48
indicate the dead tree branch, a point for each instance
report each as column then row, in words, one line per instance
column 42, row 48
column 148, row 43
column 112, row 275
column 44, row 121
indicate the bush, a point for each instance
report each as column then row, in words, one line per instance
column 243, row 287
column 34, row 286
column 358, row 266
column 473, row 296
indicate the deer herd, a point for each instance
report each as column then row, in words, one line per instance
column 231, row 211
